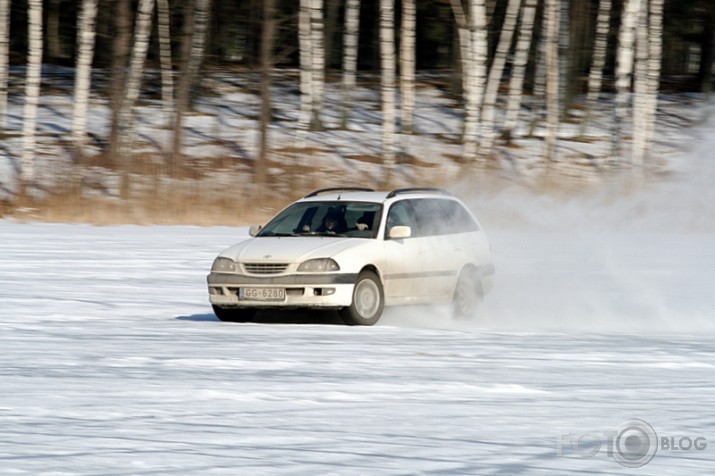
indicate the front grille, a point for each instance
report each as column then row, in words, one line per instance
column 265, row 268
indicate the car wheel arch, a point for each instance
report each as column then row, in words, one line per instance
column 472, row 269
column 373, row 268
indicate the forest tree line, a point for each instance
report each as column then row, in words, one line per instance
column 560, row 52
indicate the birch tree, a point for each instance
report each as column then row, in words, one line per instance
column 655, row 58
column 506, row 37
column 624, row 73
column 553, row 21
column 121, row 46
column 312, row 63
column 387, row 88
column 538, row 96
column 305, row 41
column 142, row 32
column 350, row 55
column 640, row 88
column 521, row 59
column 598, row 60
column 407, row 65
column 317, row 31
column 269, row 25
column 167, row 73
column 32, row 92
column 4, row 66
column 83, row 76
column 463, row 35
column 193, row 43
column 476, row 75
column 649, row 44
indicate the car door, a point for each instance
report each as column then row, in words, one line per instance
column 445, row 254
column 405, row 258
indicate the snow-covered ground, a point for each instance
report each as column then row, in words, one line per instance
column 113, row 364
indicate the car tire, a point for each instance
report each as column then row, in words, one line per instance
column 234, row 315
column 368, row 301
column 467, row 295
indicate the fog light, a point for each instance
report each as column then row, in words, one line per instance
column 323, row 291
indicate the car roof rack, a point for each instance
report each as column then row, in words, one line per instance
column 339, row 189
column 398, row 191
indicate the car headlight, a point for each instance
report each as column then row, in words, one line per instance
column 223, row 265
column 319, row 265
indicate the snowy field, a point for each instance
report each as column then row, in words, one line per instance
column 113, row 364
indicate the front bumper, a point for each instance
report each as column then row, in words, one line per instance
column 324, row 291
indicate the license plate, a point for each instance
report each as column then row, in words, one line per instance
column 262, row 294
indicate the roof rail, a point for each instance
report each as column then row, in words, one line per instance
column 339, row 189
column 417, row 190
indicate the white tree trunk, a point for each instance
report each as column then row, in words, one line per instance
column 521, row 59
column 32, row 90
column 407, row 65
column 477, row 76
column 350, row 55
column 167, row 71
column 86, row 33
column 624, row 73
column 655, row 57
column 198, row 41
column 387, row 63
column 640, row 89
column 4, row 52
column 317, row 32
column 142, row 32
column 564, row 50
column 538, row 96
column 552, row 13
column 598, row 61
column 506, row 37
column 305, row 40
column 192, row 52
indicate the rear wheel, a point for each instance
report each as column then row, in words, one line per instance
column 368, row 301
column 234, row 315
column 467, row 294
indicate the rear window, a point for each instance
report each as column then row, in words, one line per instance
column 436, row 216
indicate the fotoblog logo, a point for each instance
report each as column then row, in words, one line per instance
column 634, row 444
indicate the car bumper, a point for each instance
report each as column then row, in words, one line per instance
column 323, row 291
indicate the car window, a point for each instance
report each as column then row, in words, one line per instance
column 401, row 214
column 330, row 218
column 436, row 216
column 459, row 219
column 432, row 218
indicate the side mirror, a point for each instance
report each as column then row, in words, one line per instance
column 253, row 231
column 399, row 232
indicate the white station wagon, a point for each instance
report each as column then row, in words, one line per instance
column 356, row 250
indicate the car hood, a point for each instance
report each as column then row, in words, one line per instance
column 291, row 249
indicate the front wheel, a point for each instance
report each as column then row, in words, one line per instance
column 234, row 315
column 368, row 301
column 467, row 294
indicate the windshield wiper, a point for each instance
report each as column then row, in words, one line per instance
column 320, row 233
column 279, row 234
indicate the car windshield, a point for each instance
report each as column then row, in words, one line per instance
column 330, row 218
